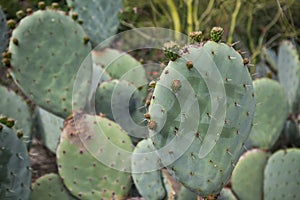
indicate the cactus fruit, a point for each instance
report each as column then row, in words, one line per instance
column 120, row 101
column 47, row 49
column 120, row 65
column 248, row 175
column 289, row 73
column 282, row 175
column 86, row 144
column 99, row 17
column 50, row 187
column 14, row 106
column 149, row 184
column 195, row 151
column 49, row 128
column 15, row 172
column 270, row 114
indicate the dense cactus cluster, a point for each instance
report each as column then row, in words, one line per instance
column 205, row 129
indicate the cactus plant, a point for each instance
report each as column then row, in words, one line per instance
column 270, row 57
column 120, row 101
column 226, row 194
column 84, row 147
column 289, row 73
column 149, row 184
column 47, row 49
column 271, row 112
column 282, row 175
column 199, row 155
column 120, row 65
column 50, row 187
column 248, row 175
column 100, row 18
column 49, row 128
column 14, row 106
column 15, row 172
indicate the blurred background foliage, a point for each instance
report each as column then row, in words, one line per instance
column 254, row 23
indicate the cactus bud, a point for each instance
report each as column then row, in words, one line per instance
column 196, row 36
column 42, row 5
column 20, row 14
column 216, row 34
column 11, row 24
column 171, row 50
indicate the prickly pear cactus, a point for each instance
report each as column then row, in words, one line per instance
column 270, row 57
column 47, row 49
column 289, row 72
column 15, row 172
column 149, row 184
column 87, row 143
column 185, row 193
column 270, row 115
column 248, row 175
column 14, row 106
column 226, row 194
column 282, row 175
column 99, row 17
column 50, row 187
column 120, row 101
column 201, row 114
column 3, row 32
column 120, row 65
column 49, row 128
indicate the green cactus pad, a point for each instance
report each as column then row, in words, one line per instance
column 120, row 101
column 84, row 139
column 50, row 187
column 226, row 194
column 149, row 184
column 3, row 32
column 289, row 72
column 13, row 105
column 200, row 129
column 248, row 175
column 282, row 175
column 47, row 50
column 185, row 194
column 120, row 65
column 270, row 115
column 49, row 128
column 99, row 17
column 270, row 57
column 15, row 172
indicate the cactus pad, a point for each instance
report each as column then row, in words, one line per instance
column 226, row 194
column 83, row 173
column 270, row 114
column 149, row 184
column 49, row 128
column 13, row 105
column 120, row 65
column 99, row 17
column 282, row 175
column 15, row 172
column 47, row 50
column 289, row 72
column 248, row 175
column 50, row 187
column 196, row 152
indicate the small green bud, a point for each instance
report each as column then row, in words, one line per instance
column 171, row 50
column 196, row 36
column 216, row 33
